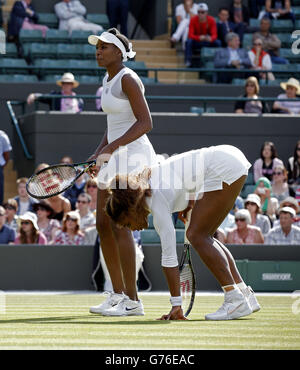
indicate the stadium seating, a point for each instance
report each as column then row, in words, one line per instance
column 57, row 36
column 41, row 50
column 10, row 51
column 139, row 67
column 79, row 37
column 18, row 78
column 28, row 36
column 101, row 19
column 13, row 65
column 48, row 19
column 70, row 51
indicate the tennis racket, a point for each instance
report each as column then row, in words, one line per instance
column 187, row 275
column 55, row 179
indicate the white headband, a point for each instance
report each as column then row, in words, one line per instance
column 112, row 39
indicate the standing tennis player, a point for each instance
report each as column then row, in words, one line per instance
column 216, row 175
column 124, row 148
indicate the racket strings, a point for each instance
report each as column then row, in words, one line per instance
column 51, row 181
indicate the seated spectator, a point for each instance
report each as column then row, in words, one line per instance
column 24, row 201
column 117, row 12
column 264, row 166
column 69, row 105
column 251, row 106
column 183, row 14
column 23, row 16
column 286, row 233
column 292, row 89
column 239, row 15
column 5, row 149
column 71, row 17
column 244, row 232
column 280, row 188
column 228, row 223
column 87, row 218
column 91, row 188
column 271, row 43
column 60, row 205
column 290, row 202
column 202, row 33
column 46, row 224
column 231, row 57
column 11, row 207
column 70, row 233
column 73, row 192
column 29, row 232
column 278, row 9
column 293, row 168
column 7, row 233
column 255, row 6
column 66, row 160
column 260, row 59
column 269, row 204
column 224, row 25
column 253, row 205
column 98, row 100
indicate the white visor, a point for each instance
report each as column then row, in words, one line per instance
column 112, row 39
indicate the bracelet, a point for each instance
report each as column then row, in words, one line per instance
column 176, row 301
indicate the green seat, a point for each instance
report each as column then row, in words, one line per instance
column 254, row 22
column 238, row 81
column 28, row 36
column 86, row 79
column 70, row 51
column 89, row 51
column 296, row 10
column 179, row 236
column 39, row 50
column 51, row 66
column 208, row 54
column 288, row 54
column 286, row 40
column 48, row 19
column 25, row 78
column 57, row 36
column 138, row 67
column 101, row 19
column 52, row 78
column 150, row 222
column 250, row 178
column 179, row 224
column 84, row 67
column 148, row 80
column 10, row 51
column 79, row 37
column 149, row 236
column 13, row 66
column 282, row 25
column 197, row 110
column 247, row 41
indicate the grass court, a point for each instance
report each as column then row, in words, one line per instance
column 63, row 321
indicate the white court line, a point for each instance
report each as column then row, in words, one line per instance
column 90, row 292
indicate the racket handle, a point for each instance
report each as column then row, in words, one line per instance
column 186, row 225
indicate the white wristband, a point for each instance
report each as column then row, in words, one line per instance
column 176, row 301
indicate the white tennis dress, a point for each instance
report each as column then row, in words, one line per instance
column 137, row 154
column 197, row 171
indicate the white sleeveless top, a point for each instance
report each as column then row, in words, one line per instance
column 136, row 155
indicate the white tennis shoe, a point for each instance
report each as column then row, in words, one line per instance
column 249, row 294
column 235, row 306
column 126, row 307
column 111, row 301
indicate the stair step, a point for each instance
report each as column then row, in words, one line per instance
column 154, row 51
column 163, row 60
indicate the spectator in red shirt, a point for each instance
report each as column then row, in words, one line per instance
column 202, row 33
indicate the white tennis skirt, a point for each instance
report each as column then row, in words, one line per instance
column 223, row 163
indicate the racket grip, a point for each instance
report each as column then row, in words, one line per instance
column 186, row 225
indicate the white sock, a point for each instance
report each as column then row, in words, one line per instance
column 242, row 286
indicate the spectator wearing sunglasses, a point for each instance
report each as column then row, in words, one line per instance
column 280, row 188
column 253, row 205
column 293, row 168
column 244, row 232
column 260, row 59
column 202, row 33
column 11, row 207
column 70, row 233
column 7, row 234
column 29, row 232
column 87, row 218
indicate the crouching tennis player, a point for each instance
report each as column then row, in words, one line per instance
column 216, row 175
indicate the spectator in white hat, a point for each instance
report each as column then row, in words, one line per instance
column 69, row 105
column 244, row 232
column 286, row 233
column 253, row 205
column 29, row 232
column 292, row 89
